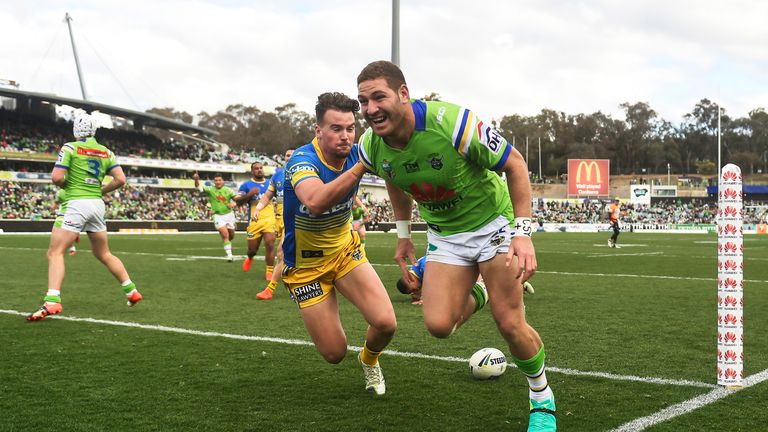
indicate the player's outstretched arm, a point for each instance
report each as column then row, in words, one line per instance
column 362, row 206
column 196, row 178
column 519, row 187
column 319, row 196
column 118, row 180
column 264, row 201
column 59, row 176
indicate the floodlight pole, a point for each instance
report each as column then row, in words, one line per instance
column 68, row 19
column 527, row 164
column 719, row 164
column 540, row 176
column 396, row 32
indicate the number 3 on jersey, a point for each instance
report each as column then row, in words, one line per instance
column 95, row 167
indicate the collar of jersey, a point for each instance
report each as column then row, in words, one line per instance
column 316, row 146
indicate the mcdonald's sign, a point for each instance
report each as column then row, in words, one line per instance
column 588, row 177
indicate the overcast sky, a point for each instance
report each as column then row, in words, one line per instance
column 495, row 57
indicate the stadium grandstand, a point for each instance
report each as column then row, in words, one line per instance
column 159, row 171
column 160, row 188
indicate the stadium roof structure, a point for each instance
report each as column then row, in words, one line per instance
column 138, row 117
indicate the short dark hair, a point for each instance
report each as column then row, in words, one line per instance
column 383, row 69
column 336, row 101
column 256, row 162
column 403, row 287
column 218, row 175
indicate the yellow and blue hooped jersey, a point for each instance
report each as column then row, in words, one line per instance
column 276, row 185
column 311, row 241
column 268, row 211
column 418, row 268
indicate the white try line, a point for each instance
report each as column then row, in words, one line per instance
column 689, row 405
column 566, row 371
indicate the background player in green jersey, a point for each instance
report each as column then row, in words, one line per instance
column 359, row 218
column 221, row 199
column 80, row 170
column 446, row 159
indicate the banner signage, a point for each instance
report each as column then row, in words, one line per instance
column 588, row 177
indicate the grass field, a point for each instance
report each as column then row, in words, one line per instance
column 629, row 332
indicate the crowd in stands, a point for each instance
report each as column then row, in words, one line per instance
column 382, row 212
column 31, row 201
column 694, row 212
column 24, row 133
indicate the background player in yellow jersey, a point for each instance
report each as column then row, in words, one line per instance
column 322, row 254
column 261, row 221
column 275, row 190
column 80, row 171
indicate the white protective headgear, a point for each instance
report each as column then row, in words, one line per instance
column 83, row 126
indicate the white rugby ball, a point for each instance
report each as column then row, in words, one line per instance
column 487, row 363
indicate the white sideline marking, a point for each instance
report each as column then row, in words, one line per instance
column 205, row 257
column 566, row 371
column 169, row 257
column 619, row 254
column 641, row 276
column 689, row 405
column 181, row 257
column 621, row 244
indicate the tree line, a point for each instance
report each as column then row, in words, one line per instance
column 642, row 142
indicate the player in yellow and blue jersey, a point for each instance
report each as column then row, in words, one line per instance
column 322, row 254
column 261, row 221
column 275, row 190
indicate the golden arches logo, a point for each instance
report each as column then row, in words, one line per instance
column 588, row 167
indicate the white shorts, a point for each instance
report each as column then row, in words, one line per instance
column 227, row 220
column 83, row 215
column 468, row 249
